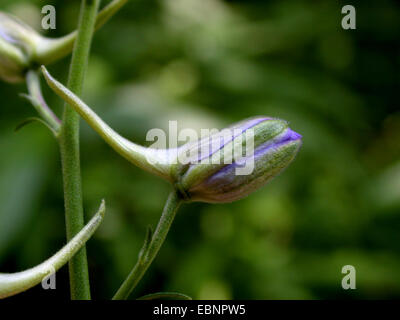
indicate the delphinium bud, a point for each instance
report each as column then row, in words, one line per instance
column 219, row 171
column 222, row 167
column 17, row 45
column 23, row 49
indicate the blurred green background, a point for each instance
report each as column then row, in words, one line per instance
column 206, row 64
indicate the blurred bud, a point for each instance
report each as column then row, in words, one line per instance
column 17, row 45
column 227, row 173
column 22, row 48
column 221, row 167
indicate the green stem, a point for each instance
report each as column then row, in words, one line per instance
column 69, row 148
column 54, row 49
column 150, row 252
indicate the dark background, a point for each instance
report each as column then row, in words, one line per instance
column 206, row 64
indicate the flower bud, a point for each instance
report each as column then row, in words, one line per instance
column 22, row 48
column 17, row 44
column 227, row 174
column 221, row 167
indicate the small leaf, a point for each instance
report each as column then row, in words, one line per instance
column 29, row 121
column 147, row 241
column 49, row 119
column 165, row 296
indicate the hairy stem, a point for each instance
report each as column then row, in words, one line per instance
column 69, row 148
column 150, row 251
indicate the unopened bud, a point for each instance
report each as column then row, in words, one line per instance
column 223, row 167
column 214, row 178
column 22, row 48
column 17, row 45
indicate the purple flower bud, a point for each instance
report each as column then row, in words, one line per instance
column 221, row 167
column 270, row 146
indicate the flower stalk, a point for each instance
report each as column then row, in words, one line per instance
column 69, row 149
column 150, row 250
